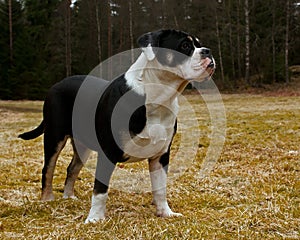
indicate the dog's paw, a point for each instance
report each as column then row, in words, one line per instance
column 46, row 197
column 165, row 213
column 70, row 197
column 93, row 220
column 97, row 211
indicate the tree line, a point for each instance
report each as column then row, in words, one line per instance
column 254, row 42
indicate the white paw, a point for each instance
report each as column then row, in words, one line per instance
column 167, row 212
column 93, row 220
column 97, row 211
column 173, row 214
column 70, row 197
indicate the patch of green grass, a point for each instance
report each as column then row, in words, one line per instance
column 252, row 193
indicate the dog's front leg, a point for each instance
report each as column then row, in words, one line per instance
column 104, row 171
column 98, row 207
column 158, row 168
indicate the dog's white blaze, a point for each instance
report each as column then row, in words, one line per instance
column 97, row 211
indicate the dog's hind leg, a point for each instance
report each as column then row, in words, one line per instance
column 104, row 171
column 81, row 154
column 52, row 148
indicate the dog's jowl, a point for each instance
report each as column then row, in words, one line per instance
column 135, row 117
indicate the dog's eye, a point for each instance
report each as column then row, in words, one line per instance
column 185, row 45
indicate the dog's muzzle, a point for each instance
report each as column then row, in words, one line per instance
column 206, row 53
column 212, row 64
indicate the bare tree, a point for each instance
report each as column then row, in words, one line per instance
column 273, row 43
column 68, row 37
column 175, row 19
column 232, row 52
column 163, row 14
column 287, row 26
column 10, row 31
column 131, row 30
column 109, row 39
column 238, row 40
column 109, row 30
column 247, row 43
column 219, row 47
column 97, row 6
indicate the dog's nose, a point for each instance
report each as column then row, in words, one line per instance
column 212, row 63
column 205, row 52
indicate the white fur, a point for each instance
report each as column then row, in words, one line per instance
column 156, row 136
column 97, row 211
column 134, row 75
column 194, row 68
column 159, row 185
column 149, row 52
column 153, row 140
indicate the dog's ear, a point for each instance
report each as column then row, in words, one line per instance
column 147, row 41
column 149, row 38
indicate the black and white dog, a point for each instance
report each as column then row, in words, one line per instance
column 135, row 116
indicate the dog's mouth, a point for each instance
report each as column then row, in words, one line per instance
column 208, row 63
column 211, row 67
column 212, row 64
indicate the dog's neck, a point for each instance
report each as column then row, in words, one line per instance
column 161, row 86
column 144, row 72
column 134, row 75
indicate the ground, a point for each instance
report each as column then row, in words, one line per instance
column 252, row 193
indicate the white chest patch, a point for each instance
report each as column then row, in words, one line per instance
column 155, row 138
column 160, row 86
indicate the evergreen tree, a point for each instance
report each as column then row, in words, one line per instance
column 43, row 41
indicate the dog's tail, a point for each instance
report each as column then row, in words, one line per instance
column 33, row 133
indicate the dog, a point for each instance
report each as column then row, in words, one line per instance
column 134, row 120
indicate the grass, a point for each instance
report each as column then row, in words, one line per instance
column 253, row 192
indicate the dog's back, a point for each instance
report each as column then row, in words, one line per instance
column 59, row 102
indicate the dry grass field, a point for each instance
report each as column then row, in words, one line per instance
column 252, row 193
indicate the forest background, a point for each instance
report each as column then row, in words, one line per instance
column 254, row 42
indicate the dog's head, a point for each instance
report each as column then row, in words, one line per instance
column 180, row 50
